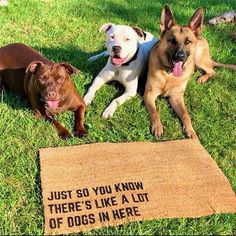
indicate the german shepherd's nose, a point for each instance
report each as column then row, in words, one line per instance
column 180, row 55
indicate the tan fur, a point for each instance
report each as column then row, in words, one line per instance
column 161, row 80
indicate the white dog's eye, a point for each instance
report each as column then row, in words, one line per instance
column 112, row 36
column 127, row 39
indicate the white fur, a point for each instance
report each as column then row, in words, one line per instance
column 125, row 37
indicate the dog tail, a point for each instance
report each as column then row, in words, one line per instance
column 229, row 66
column 95, row 57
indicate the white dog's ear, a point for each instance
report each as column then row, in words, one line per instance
column 138, row 31
column 106, row 27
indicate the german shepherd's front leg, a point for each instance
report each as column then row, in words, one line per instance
column 149, row 99
column 177, row 102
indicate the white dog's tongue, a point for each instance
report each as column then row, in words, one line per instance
column 52, row 104
column 178, row 70
column 117, row 61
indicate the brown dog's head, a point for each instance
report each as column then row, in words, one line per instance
column 51, row 82
column 178, row 42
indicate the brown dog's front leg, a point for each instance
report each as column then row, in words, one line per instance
column 61, row 130
column 149, row 99
column 79, row 121
column 177, row 102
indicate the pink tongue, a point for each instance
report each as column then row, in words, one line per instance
column 117, row 61
column 52, row 104
column 178, row 70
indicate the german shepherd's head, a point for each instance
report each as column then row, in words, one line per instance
column 178, row 42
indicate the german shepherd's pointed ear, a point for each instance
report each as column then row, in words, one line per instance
column 195, row 23
column 167, row 19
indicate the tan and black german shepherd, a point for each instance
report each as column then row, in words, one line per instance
column 172, row 61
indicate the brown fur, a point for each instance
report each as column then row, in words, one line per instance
column 25, row 71
column 161, row 80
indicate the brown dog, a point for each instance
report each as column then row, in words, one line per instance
column 46, row 84
column 171, row 63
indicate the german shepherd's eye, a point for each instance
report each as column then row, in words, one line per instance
column 187, row 41
column 172, row 41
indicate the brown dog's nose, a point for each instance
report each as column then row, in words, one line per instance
column 51, row 94
column 116, row 49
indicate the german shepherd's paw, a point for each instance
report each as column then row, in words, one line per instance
column 202, row 79
column 190, row 133
column 157, row 130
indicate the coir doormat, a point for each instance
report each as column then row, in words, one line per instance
column 95, row 185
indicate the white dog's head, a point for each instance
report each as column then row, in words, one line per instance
column 121, row 42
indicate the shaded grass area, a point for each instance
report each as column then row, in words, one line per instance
column 68, row 31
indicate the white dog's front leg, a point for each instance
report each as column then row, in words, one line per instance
column 103, row 77
column 130, row 92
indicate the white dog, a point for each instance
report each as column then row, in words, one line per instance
column 128, row 49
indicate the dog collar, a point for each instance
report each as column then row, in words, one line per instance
column 132, row 59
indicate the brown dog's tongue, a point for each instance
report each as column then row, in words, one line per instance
column 52, row 104
column 178, row 70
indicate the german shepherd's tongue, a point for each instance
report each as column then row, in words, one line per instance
column 178, row 70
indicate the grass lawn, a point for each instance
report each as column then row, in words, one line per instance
column 68, row 31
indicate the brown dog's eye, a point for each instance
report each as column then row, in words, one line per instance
column 42, row 80
column 173, row 41
column 60, row 80
column 187, row 41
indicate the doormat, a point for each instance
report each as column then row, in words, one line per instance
column 105, row 184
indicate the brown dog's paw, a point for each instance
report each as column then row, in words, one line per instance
column 81, row 133
column 64, row 135
column 202, row 79
column 157, row 130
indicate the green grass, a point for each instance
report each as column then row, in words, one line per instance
column 68, row 31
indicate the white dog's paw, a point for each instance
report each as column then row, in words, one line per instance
column 88, row 99
column 109, row 111
column 92, row 58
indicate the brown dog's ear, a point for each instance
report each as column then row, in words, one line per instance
column 69, row 68
column 106, row 27
column 138, row 31
column 33, row 66
column 167, row 19
column 195, row 23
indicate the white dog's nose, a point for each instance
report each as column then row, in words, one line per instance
column 116, row 49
